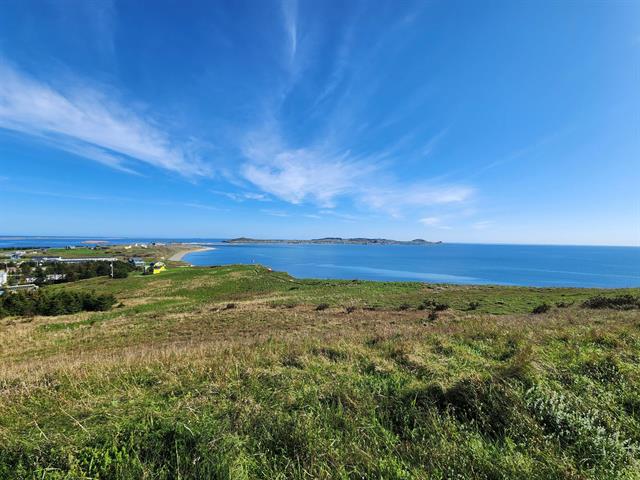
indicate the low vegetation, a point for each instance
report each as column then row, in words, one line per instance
column 82, row 271
column 55, row 303
column 620, row 302
column 239, row 372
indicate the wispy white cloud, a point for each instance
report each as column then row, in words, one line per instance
column 394, row 199
column 90, row 123
column 313, row 174
column 242, row 196
column 430, row 221
column 198, row 205
column 321, row 174
column 290, row 15
column 434, row 222
column 114, row 198
column 343, row 216
column 261, row 197
column 275, row 213
column 482, row 225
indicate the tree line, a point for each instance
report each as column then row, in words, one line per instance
column 53, row 303
column 74, row 271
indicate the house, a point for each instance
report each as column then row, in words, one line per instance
column 157, row 267
column 55, row 277
column 137, row 262
column 4, row 277
column 26, row 287
column 70, row 247
column 41, row 259
column 88, row 259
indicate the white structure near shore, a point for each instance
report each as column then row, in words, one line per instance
column 4, row 277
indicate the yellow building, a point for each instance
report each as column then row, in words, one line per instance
column 158, row 267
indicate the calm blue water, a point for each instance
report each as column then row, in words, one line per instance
column 531, row 265
column 447, row 263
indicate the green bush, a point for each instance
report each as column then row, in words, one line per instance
column 621, row 302
column 55, row 303
column 430, row 304
column 542, row 308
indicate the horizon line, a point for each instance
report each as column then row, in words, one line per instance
column 154, row 237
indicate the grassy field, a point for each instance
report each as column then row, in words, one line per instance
column 150, row 253
column 239, row 372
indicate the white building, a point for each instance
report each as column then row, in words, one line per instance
column 4, row 277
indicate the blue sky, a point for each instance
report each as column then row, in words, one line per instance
column 509, row 122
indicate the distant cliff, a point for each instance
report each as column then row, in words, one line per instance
column 337, row 240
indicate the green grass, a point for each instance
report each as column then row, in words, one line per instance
column 155, row 252
column 239, row 282
column 174, row 383
column 76, row 252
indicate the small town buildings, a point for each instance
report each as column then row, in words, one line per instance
column 42, row 259
column 88, row 259
column 137, row 262
column 157, row 267
column 54, row 277
column 25, row 287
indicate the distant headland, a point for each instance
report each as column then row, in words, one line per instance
column 337, row 240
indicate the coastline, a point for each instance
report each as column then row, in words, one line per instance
column 178, row 256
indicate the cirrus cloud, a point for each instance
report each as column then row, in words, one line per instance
column 89, row 123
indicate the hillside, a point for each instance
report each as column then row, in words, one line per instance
column 240, row 372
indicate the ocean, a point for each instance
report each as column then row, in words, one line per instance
column 526, row 265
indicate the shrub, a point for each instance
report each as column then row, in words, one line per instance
column 488, row 404
column 563, row 304
column 322, row 306
column 350, row 309
column 621, row 302
column 542, row 308
column 81, row 271
column 53, row 303
column 432, row 304
column 121, row 270
column 473, row 305
column 404, row 306
column 579, row 429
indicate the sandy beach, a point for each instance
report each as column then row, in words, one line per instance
column 177, row 257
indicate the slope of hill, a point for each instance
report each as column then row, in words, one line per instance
column 240, row 372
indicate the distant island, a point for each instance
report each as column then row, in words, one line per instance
column 337, row 240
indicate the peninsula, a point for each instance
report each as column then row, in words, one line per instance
column 337, row 240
